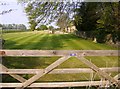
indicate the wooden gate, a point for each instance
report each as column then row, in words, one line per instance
column 65, row 54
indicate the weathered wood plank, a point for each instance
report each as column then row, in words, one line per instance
column 58, row 71
column 99, row 71
column 56, row 84
column 19, row 78
column 117, row 76
column 47, row 70
column 58, row 52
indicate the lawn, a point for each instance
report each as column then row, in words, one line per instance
column 43, row 62
column 43, row 41
column 40, row 40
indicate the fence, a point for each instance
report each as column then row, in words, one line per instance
column 65, row 54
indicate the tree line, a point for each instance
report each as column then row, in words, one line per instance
column 98, row 20
column 13, row 26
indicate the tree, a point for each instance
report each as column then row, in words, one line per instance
column 51, row 28
column 31, row 16
column 9, row 26
column 47, row 12
column 0, row 25
column 14, row 26
column 86, row 19
column 63, row 21
column 98, row 19
column 110, row 20
column 21, row 27
column 43, row 27
column 86, row 16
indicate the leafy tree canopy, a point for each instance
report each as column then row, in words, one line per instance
column 47, row 12
column 43, row 27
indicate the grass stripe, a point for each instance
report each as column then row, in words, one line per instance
column 41, row 42
column 14, row 42
column 9, row 36
column 33, row 44
column 25, row 43
column 70, row 44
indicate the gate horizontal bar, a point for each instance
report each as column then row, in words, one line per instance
column 58, row 71
column 57, row 84
column 58, row 52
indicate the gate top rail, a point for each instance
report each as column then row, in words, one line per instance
column 59, row 52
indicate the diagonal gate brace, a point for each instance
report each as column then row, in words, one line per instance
column 98, row 70
column 19, row 78
column 47, row 70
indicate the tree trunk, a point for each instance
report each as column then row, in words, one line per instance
column 94, row 40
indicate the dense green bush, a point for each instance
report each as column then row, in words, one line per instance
column 101, row 36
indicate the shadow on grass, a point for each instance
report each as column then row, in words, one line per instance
column 55, row 42
column 25, row 63
column 47, row 42
column 50, row 42
column 8, row 44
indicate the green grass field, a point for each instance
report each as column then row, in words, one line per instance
column 42, row 41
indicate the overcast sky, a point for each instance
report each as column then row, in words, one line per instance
column 17, row 16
